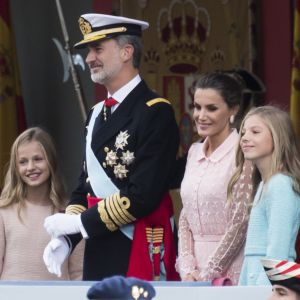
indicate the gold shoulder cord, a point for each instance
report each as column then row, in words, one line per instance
column 157, row 100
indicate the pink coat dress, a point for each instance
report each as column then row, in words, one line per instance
column 211, row 232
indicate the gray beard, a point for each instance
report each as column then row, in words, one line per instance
column 98, row 78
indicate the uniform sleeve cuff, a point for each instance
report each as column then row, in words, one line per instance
column 82, row 229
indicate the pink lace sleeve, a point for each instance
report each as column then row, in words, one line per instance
column 186, row 262
column 235, row 235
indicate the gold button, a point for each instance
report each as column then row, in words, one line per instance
column 106, row 149
column 88, row 179
column 104, row 165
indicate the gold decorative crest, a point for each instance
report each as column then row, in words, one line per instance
column 183, row 46
column 84, row 26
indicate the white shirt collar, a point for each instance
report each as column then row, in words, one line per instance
column 123, row 92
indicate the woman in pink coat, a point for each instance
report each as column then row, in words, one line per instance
column 212, row 229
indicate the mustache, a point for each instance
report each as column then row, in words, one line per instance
column 95, row 65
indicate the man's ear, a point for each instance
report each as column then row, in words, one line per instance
column 127, row 52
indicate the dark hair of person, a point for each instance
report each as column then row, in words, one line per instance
column 229, row 88
column 136, row 42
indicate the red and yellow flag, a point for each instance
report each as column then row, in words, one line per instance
column 12, row 119
column 295, row 89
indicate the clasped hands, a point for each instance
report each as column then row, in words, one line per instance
column 58, row 248
column 196, row 275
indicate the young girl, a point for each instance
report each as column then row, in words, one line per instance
column 211, row 233
column 32, row 191
column 268, row 140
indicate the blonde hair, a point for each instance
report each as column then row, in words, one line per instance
column 15, row 190
column 285, row 156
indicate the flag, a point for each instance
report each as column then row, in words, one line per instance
column 295, row 88
column 12, row 120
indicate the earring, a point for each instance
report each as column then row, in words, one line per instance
column 231, row 119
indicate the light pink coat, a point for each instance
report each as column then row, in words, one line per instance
column 211, row 233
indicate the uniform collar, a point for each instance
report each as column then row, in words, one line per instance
column 229, row 143
column 123, row 92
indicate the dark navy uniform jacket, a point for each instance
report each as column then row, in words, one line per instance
column 153, row 139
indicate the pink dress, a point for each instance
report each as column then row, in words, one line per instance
column 211, row 232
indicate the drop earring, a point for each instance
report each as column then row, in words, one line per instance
column 231, row 119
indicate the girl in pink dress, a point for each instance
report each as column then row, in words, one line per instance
column 212, row 229
column 32, row 191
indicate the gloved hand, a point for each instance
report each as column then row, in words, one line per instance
column 61, row 224
column 55, row 254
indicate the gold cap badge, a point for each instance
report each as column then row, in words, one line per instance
column 85, row 26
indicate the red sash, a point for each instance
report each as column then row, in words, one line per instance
column 92, row 201
column 140, row 263
column 156, row 229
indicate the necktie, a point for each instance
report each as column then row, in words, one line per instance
column 104, row 114
column 108, row 104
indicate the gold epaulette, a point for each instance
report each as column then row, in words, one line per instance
column 157, row 100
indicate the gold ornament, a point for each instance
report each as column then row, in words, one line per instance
column 84, row 26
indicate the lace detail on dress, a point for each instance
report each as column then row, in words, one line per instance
column 186, row 262
column 235, row 235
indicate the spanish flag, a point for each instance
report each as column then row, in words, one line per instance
column 12, row 120
column 295, row 89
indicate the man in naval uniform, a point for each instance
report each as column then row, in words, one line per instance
column 121, row 205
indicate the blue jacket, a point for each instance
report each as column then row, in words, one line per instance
column 273, row 228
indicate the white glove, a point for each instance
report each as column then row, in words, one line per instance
column 62, row 224
column 55, row 254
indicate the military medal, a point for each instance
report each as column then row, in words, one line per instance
column 105, row 113
column 111, row 158
column 121, row 140
column 120, row 171
column 127, row 157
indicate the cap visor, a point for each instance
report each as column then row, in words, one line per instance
column 86, row 42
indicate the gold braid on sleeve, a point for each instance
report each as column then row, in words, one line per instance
column 75, row 209
column 113, row 211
